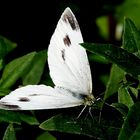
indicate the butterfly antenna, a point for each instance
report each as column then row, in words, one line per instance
column 81, row 112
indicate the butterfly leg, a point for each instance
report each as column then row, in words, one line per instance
column 81, row 112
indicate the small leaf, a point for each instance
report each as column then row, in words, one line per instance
column 16, row 69
column 6, row 46
column 131, row 124
column 124, row 59
column 114, row 82
column 124, row 96
column 9, row 133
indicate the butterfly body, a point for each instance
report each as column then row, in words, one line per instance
column 69, row 70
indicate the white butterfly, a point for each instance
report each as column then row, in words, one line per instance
column 69, row 70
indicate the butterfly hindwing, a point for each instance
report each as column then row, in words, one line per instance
column 34, row 97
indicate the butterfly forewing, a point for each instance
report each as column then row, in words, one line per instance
column 68, row 63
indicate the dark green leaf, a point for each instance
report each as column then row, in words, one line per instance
column 16, row 69
column 9, row 133
column 136, row 134
column 131, row 124
column 121, row 108
column 124, row 59
column 9, row 116
column 16, row 117
column 131, row 36
column 36, row 69
column 89, row 127
column 114, row 82
column 6, row 46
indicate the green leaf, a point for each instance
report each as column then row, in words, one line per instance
column 6, row 46
column 15, row 69
column 9, row 133
column 124, row 59
column 131, row 36
column 36, row 69
column 90, row 127
column 131, row 126
column 124, row 96
column 114, row 82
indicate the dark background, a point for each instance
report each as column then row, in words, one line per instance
column 31, row 25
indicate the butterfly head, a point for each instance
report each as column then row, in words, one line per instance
column 92, row 101
column 89, row 100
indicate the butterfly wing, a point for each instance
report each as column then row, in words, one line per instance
column 68, row 63
column 35, row 97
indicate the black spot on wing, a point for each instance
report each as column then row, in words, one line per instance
column 69, row 18
column 66, row 40
column 63, row 54
column 24, row 99
column 33, row 95
column 9, row 106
